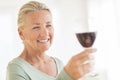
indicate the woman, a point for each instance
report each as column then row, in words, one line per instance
column 36, row 31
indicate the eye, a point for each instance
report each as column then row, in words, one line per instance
column 48, row 25
column 36, row 27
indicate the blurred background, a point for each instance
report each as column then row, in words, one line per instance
column 68, row 16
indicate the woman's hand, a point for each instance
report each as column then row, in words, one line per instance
column 79, row 65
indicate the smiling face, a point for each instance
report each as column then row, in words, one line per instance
column 37, row 33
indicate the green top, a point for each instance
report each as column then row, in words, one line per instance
column 19, row 69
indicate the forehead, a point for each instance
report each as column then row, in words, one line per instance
column 38, row 16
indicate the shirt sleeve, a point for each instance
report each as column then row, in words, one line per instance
column 63, row 76
column 15, row 72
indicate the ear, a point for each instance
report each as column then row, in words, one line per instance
column 20, row 32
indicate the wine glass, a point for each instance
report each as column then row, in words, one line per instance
column 87, row 39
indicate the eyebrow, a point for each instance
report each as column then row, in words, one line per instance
column 36, row 23
column 49, row 22
column 39, row 23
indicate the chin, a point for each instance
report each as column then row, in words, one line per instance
column 44, row 49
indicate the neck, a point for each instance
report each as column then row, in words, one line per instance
column 33, row 57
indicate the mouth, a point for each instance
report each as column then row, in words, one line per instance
column 43, row 40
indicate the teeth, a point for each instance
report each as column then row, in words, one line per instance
column 42, row 40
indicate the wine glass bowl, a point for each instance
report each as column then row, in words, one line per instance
column 86, row 39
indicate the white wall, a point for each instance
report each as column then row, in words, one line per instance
column 104, row 15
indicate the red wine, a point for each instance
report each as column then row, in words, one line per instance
column 86, row 39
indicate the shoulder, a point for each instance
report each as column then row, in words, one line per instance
column 14, row 65
column 14, row 70
column 59, row 63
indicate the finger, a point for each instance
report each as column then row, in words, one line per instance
column 86, row 52
column 90, row 50
column 87, row 68
column 81, row 71
column 86, row 59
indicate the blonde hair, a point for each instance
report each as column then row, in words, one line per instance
column 30, row 7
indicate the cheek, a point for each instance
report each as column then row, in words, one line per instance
column 52, row 36
column 52, row 33
column 34, row 34
column 30, row 36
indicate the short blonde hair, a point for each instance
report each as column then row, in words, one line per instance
column 30, row 7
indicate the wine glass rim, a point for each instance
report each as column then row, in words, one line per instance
column 87, row 32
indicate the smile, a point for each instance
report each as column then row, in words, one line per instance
column 42, row 41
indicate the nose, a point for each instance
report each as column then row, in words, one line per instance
column 44, row 32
